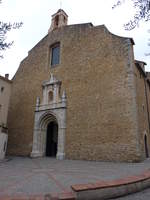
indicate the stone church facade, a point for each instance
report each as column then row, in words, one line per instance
column 79, row 94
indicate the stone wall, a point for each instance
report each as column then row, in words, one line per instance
column 142, row 105
column 97, row 71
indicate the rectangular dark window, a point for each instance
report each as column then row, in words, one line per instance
column 55, row 55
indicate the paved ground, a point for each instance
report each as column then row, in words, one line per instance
column 25, row 176
column 143, row 195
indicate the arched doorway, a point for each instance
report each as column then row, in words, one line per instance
column 50, row 121
column 52, row 139
column 146, row 146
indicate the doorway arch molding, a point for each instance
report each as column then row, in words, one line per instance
column 45, row 113
column 46, row 118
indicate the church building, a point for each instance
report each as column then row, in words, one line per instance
column 80, row 94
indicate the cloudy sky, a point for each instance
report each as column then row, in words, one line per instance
column 36, row 16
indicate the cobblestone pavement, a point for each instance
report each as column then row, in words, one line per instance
column 26, row 176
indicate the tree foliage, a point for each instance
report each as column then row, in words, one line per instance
column 142, row 8
column 4, row 28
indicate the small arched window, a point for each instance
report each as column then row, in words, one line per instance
column 57, row 20
column 2, row 89
column 50, row 96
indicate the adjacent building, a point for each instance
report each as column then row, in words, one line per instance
column 5, row 91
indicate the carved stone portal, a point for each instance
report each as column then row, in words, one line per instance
column 51, row 109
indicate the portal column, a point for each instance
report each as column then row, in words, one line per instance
column 36, row 150
column 61, row 144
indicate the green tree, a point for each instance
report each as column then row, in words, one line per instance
column 142, row 8
column 4, row 28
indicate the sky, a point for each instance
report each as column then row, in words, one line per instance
column 36, row 18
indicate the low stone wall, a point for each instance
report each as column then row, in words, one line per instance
column 111, row 189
